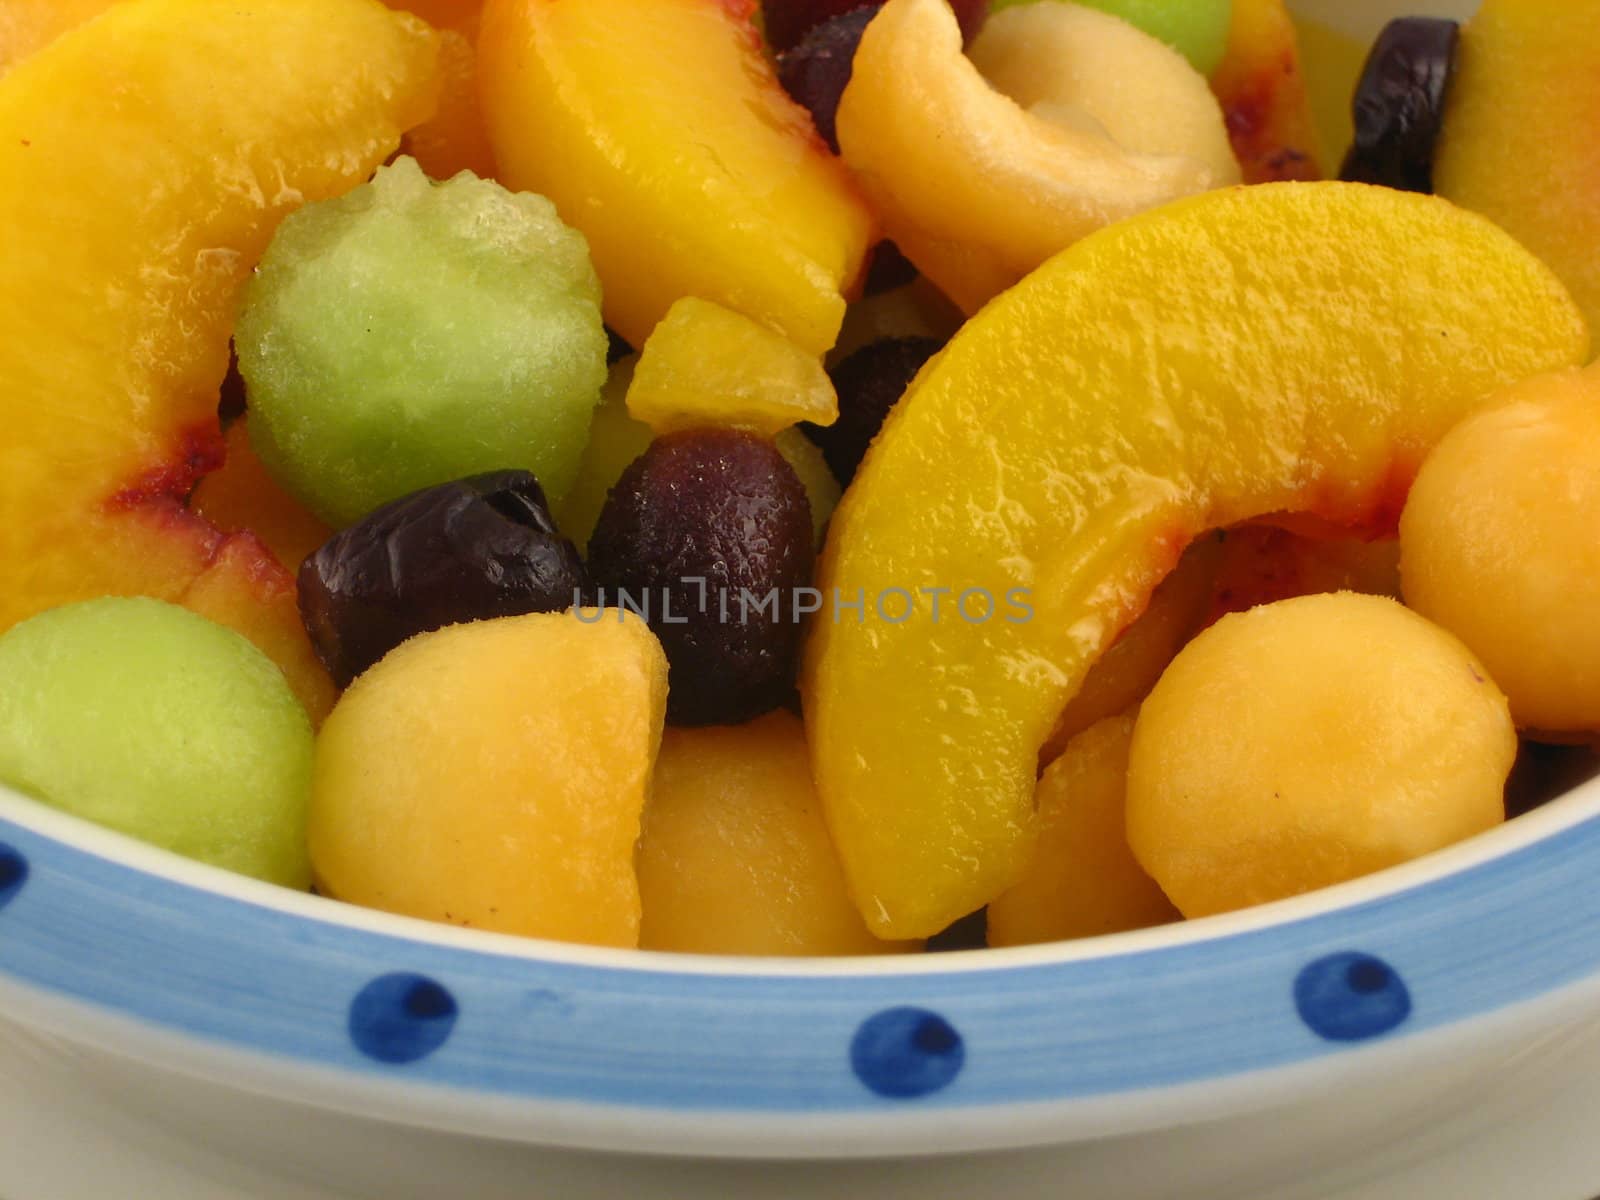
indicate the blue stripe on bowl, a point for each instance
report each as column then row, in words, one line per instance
column 221, row 968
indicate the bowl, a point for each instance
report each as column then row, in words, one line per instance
column 168, row 1029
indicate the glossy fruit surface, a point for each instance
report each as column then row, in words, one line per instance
column 788, row 21
column 709, row 533
column 134, row 216
column 706, row 365
column 1399, row 104
column 661, row 132
column 468, row 550
column 1310, row 742
column 242, row 495
column 1500, row 544
column 1066, row 445
column 735, row 857
column 410, row 815
column 1517, row 143
column 455, row 138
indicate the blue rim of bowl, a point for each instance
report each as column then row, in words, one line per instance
column 105, row 925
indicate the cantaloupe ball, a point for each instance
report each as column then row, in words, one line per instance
column 1500, row 544
column 1309, row 742
column 1082, row 879
column 735, row 857
column 493, row 774
column 153, row 721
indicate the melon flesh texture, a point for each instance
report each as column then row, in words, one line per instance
column 133, row 216
column 1284, row 348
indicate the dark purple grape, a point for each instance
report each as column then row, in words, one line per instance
column 869, row 383
column 1399, row 104
column 817, row 71
column 889, row 269
column 708, row 533
column 464, row 551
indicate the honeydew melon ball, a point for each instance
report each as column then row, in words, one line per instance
column 1196, row 29
column 151, row 720
column 411, row 332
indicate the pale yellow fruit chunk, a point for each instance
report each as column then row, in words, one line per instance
column 493, row 775
column 705, row 365
column 1310, row 742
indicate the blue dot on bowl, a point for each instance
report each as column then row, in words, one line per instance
column 13, row 873
column 1349, row 997
column 904, row 1053
column 402, row 1017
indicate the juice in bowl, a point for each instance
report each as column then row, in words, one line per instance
column 639, row 686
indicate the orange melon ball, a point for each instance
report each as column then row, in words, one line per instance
column 1500, row 544
column 493, row 774
column 1083, row 879
column 1310, row 742
column 735, row 857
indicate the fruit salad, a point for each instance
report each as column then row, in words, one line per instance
column 805, row 477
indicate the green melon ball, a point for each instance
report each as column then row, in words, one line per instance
column 153, row 721
column 1196, row 29
column 410, row 333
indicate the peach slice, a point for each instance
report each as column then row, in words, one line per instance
column 133, row 216
column 1264, row 95
column 1277, row 349
column 27, row 26
column 241, row 495
column 455, row 138
column 1518, row 140
column 975, row 189
column 661, row 132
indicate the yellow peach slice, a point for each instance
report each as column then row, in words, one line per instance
column 1264, row 95
column 1275, row 349
column 133, row 216
column 493, row 774
column 976, row 190
column 661, row 132
column 1518, row 144
column 706, row 365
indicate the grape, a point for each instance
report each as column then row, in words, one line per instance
column 816, row 72
column 788, row 21
column 869, row 383
column 463, row 551
column 700, row 529
column 1399, row 104
column 410, row 333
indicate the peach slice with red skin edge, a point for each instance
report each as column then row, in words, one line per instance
column 135, row 216
column 1265, row 100
column 1219, row 360
column 660, row 131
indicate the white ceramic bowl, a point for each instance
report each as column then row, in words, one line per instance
column 169, row 1030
